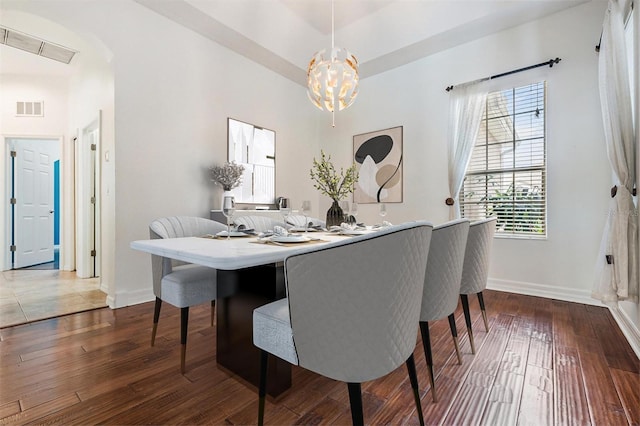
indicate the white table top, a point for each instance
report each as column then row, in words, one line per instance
column 235, row 253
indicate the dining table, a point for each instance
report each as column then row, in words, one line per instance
column 250, row 273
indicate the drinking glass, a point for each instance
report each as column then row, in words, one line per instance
column 285, row 208
column 344, row 205
column 383, row 209
column 354, row 209
column 228, row 208
column 305, row 210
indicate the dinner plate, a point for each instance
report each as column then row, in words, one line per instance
column 354, row 231
column 232, row 234
column 302, row 229
column 290, row 239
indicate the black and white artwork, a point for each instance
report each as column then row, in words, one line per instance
column 378, row 158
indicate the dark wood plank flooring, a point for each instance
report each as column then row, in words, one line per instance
column 543, row 362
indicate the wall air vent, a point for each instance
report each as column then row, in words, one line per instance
column 30, row 109
column 35, row 45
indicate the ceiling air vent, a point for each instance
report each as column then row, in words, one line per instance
column 35, row 45
column 30, row 109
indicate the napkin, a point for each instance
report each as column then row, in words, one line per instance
column 384, row 224
column 277, row 230
column 243, row 228
column 347, row 227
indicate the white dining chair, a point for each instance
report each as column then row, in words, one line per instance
column 351, row 311
column 179, row 283
column 442, row 285
column 258, row 223
column 299, row 220
column 475, row 271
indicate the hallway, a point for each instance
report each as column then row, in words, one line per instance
column 31, row 295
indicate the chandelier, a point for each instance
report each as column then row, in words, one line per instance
column 332, row 77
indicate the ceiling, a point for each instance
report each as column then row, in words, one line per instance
column 282, row 35
column 383, row 34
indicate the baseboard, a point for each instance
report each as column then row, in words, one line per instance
column 629, row 329
column 128, row 298
column 543, row 290
column 626, row 324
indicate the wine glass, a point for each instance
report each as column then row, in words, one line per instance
column 285, row 208
column 305, row 209
column 344, row 205
column 354, row 209
column 383, row 210
column 228, row 208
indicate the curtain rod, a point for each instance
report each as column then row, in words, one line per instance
column 550, row 62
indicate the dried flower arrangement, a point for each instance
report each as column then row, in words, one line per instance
column 228, row 176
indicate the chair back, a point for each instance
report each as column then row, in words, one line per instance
column 444, row 270
column 184, row 226
column 259, row 223
column 176, row 227
column 301, row 220
column 475, row 271
column 354, row 307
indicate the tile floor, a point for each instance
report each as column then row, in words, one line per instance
column 31, row 295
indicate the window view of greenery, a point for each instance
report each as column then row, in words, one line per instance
column 506, row 174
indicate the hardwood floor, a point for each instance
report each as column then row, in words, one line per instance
column 543, row 362
column 28, row 295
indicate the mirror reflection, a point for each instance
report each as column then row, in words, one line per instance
column 255, row 148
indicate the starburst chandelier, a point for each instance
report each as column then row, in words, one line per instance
column 332, row 77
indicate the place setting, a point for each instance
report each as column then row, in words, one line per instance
column 282, row 237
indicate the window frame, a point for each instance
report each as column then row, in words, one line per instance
column 512, row 170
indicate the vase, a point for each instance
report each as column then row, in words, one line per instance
column 335, row 215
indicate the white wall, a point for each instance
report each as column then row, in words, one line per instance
column 578, row 174
column 52, row 91
column 578, row 179
column 629, row 312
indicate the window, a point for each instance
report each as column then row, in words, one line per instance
column 506, row 176
column 630, row 41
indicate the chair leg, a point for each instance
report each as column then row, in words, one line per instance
column 467, row 318
column 355, row 400
column 184, row 321
column 413, row 378
column 213, row 311
column 426, row 344
column 262, row 389
column 156, row 317
column 484, row 311
column 454, row 334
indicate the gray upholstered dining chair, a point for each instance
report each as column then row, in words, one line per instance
column 442, row 285
column 259, row 223
column 179, row 283
column 351, row 311
column 475, row 271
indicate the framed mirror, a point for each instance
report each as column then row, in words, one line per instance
column 255, row 148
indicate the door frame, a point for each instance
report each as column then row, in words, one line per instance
column 5, row 191
column 88, row 175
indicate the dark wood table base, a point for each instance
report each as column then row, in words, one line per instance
column 239, row 293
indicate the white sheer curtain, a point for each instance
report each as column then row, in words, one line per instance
column 617, row 277
column 466, row 107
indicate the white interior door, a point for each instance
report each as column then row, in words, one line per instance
column 87, row 201
column 33, row 194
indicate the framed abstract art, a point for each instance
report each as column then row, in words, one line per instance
column 378, row 159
